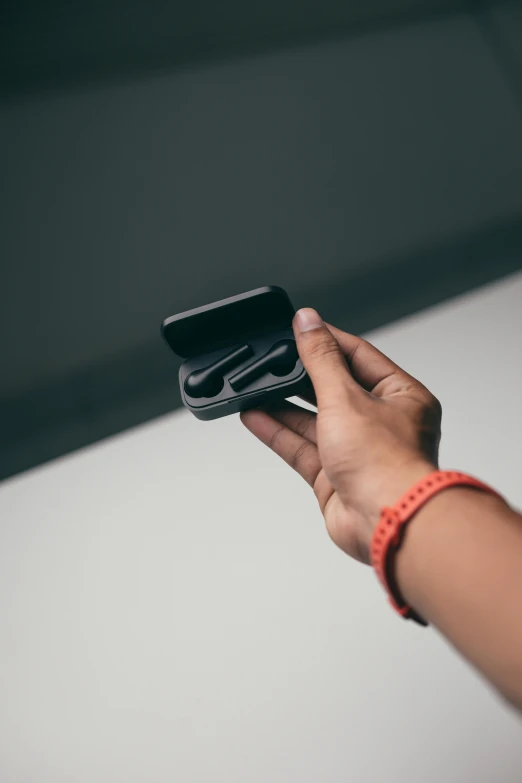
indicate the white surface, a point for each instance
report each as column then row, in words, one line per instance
column 172, row 610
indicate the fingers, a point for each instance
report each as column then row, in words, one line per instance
column 299, row 420
column 323, row 490
column 322, row 359
column 297, row 451
column 371, row 368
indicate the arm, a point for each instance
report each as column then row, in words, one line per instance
column 461, row 567
column 376, row 433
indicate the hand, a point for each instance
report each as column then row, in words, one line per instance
column 376, row 432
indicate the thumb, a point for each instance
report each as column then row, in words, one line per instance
column 322, row 358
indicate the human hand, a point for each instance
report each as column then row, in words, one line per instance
column 376, row 431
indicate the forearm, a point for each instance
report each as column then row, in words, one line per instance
column 460, row 567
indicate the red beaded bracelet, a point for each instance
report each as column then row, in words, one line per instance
column 389, row 533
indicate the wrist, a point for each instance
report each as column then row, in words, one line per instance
column 382, row 490
column 441, row 532
column 391, row 485
column 389, row 536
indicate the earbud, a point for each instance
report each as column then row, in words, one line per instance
column 209, row 381
column 280, row 360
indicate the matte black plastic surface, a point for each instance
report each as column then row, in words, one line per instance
column 221, row 323
column 279, row 360
column 209, row 381
column 246, row 338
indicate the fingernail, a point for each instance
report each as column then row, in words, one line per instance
column 307, row 319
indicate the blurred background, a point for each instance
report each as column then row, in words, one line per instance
column 366, row 156
column 170, row 606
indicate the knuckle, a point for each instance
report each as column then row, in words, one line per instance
column 321, row 346
column 429, row 401
column 303, row 427
column 436, row 405
column 299, row 454
column 275, row 438
column 432, row 408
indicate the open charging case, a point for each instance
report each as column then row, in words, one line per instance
column 239, row 353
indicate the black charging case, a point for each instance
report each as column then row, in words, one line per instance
column 259, row 323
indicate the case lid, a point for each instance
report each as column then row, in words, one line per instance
column 228, row 321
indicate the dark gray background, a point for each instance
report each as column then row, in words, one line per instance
column 366, row 156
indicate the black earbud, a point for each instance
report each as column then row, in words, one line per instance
column 209, row 381
column 280, row 360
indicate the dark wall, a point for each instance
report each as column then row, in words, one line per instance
column 57, row 43
column 369, row 176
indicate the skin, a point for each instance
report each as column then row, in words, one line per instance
column 375, row 434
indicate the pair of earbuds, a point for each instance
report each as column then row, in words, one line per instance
column 280, row 360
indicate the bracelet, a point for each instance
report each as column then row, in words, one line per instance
column 389, row 533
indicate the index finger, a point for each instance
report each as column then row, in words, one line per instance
column 370, row 367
